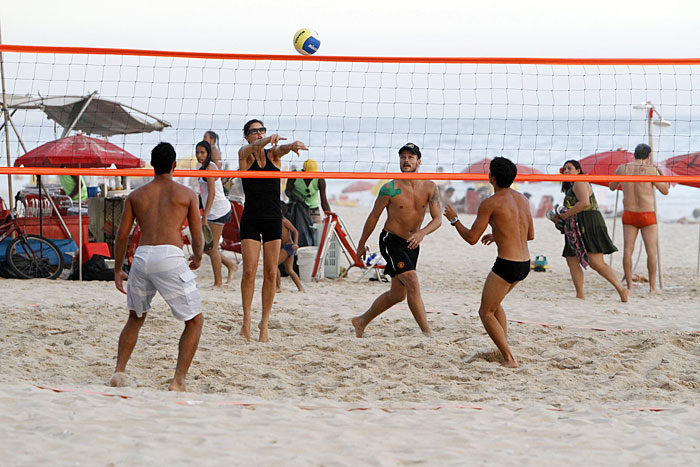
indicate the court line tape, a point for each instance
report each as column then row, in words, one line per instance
column 389, row 409
column 563, row 326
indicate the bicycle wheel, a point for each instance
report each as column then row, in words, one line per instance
column 34, row 257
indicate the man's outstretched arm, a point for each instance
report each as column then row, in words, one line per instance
column 472, row 235
column 371, row 222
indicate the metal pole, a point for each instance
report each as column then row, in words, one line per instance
column 80, row 114
column 617, row 197
column 80, row 228
column 653, row 192
column 7, row 130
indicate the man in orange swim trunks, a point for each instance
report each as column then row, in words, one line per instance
column 638, row 202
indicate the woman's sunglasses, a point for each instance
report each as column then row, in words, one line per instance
column 255, row 131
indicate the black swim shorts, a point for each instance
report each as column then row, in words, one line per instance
column 511, row 271
column 267, row 229
column 399, row 258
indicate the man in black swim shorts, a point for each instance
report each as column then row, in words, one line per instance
column 406, row 202
column 508, row 212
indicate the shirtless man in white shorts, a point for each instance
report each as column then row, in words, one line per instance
column 160, row 207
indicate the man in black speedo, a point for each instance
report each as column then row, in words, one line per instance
column 261, row 222
column 508, row 213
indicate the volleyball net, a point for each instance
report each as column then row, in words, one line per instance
column 354, row 113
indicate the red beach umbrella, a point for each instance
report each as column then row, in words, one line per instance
column 605, row 163
column 686, row 165
column 360, row 185
column 79, row 151
column 482, row 167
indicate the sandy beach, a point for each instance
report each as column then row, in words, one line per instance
column 317, row 395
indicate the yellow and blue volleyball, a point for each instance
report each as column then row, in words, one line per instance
column 306, row 41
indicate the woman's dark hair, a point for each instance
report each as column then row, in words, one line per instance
column 246, row 127
column 207, row 147
column 162, row 158
column 566, row 185
column 214, row 137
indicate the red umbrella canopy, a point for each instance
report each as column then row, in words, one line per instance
column 482, row 167
column 79, row 151
column 687, row 164
column 605, row 163
column 360, row 185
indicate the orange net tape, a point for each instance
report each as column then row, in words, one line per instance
column 347, row 175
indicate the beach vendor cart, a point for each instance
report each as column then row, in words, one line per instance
column 59, row 217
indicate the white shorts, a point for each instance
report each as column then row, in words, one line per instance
column 162, row 269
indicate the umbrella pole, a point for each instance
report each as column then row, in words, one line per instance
column 697, row 271
column 7, row 130
column 41, row 206
column 617, row 197
column 80, row 228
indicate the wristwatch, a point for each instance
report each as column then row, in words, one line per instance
column 454, row 220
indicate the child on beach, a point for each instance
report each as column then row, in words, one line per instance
column 288, row 251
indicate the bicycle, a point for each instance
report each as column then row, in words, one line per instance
column 30, row 256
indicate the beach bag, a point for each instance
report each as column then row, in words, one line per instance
column 94, row 269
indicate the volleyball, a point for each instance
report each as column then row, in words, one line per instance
column 306, row 41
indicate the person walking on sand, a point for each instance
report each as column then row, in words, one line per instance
column 406, row 202
column 508, row 213
column 261, row 222
column 639, row 214
column 580, row 201
column 160, row 207
column 217, row 212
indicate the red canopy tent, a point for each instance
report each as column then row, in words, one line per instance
column 79, row 151
column 687, row 165
column 482, row 167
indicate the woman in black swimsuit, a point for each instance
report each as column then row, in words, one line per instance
column 261, row 222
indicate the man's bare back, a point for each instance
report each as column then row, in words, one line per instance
column 161, row 207
column 638, row 196
column 511, row 223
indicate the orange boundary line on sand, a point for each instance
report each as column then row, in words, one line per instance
column 334, row 407
column 103, row 172
column 340, row 58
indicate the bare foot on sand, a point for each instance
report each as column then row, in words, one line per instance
column 279, row 290
column 119, row 380
column 263, row 334
column 510, row 363
column 581, row 297
column 177, row 387
column 231, row 272
column 359, row 328
column 624, row 295
column 427, row 333
column 654, row 290
column 245, row 332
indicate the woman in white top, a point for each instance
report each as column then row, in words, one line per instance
column 217, row 211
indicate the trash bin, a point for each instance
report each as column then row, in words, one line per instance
column 306, row 256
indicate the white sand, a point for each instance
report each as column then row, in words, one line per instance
column 568, row 403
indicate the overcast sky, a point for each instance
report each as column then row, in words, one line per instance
column 545, row 28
